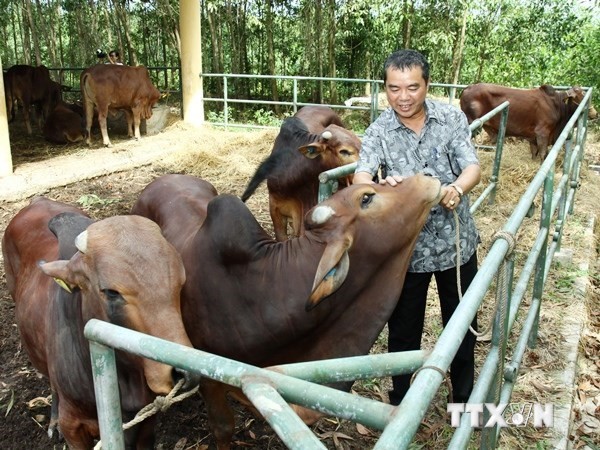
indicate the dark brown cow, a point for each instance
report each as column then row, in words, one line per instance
column 326, row 294
column 318, row 133
column 537, row 115
column 65, row 124
column 112, row 87
column 119, row 270
column 32, row 86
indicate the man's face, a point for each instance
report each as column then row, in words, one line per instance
column 406, row 91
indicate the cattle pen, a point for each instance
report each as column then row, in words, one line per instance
column 270, row 391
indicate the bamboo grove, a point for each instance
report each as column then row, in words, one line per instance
column 520, row 43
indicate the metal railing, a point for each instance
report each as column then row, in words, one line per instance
column 328, row 180
column 399, row 425
column 294, row 101
column 165, row 78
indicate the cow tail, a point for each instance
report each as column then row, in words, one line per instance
column 83, row 87
column 262, row 173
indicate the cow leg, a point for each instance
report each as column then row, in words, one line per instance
column 103, row 128
column 137, row 118
column 491, row 134
column 27, row 118
column 89, row 117
column 534, row 149
column 220, row 415
column 129, row 117
column 542, row 146
column 279, row 222
column 53, row 414
column 297, row 223
column 77, row 431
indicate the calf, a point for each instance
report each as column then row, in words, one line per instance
column 537, row 115
column 111, row 87
column 318, row 133
column 323, row 295
column 65, row 124
column 31, row 86
column 119, row 270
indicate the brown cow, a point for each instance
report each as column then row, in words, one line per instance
column 65, row 124
column 326, row 294
column 537, row 115
column 119, row 270
column 318, row 133
column 112, row 87
column 31, row 86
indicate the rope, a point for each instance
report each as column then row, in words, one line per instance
column 501, row 278
column 442, row 373
column 160, row 404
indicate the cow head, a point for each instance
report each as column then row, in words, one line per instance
column 131, row 276
column 576, row 95
column 378, row 216
column 336, row 146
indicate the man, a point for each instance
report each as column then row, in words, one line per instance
column 115, row 57
column 418, row 135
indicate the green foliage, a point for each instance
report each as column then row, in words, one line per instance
column 521, row 43
column 92, row 201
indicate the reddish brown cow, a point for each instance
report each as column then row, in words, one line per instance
column 32, row 86
column 119, row 270
column 65, row 124
column 318, row 133
column 537, row 115
column 111, row 87
column 326, row 294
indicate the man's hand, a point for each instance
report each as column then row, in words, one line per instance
column 392, row 180
column 451, row 198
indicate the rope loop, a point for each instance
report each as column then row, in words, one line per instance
column 160, row 404
column 508, row 237
column 442, row 373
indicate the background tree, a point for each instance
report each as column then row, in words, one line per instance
column 520, row 43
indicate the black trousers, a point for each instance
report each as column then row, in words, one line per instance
column 406, row 326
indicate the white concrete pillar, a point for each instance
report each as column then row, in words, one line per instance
column 191, row 61
column 6, row 167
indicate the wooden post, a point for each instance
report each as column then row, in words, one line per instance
column 6, row 167
column 191, row 61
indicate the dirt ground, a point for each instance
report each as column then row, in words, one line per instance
column 227, row 160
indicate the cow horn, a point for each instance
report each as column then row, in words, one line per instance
column 81, row 241
column 331, row 272
column 326, row 135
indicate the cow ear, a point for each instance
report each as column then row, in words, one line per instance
column 331, row 272
column 60, row 272
column 312, row 151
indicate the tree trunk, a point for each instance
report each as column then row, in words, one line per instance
column 26, row 35
column 32, row 29
column 216, row 61
column 459, row 46
column 331, row 32
column 408, row 11
column 271, row 53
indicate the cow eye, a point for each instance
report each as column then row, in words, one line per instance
column 111, row 295
column 345, row 153
column 366, row 200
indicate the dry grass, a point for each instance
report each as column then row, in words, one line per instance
column 228, row 159
column 238, row 155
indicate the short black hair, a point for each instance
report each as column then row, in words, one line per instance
column 114, row 53
column 406, row 59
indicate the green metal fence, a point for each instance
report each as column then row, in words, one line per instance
column 300, row 383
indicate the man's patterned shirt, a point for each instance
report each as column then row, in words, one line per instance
column 442, row 150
